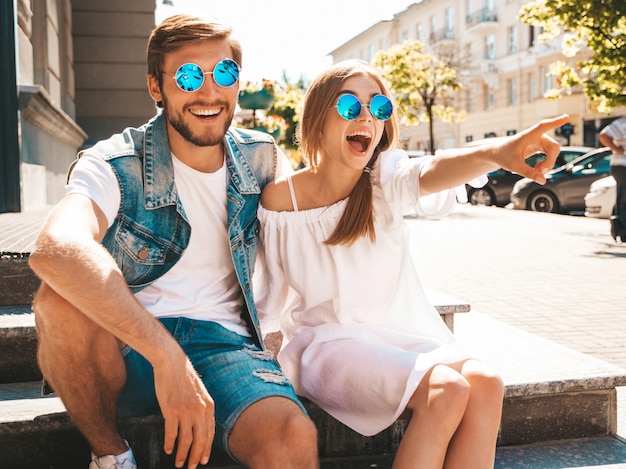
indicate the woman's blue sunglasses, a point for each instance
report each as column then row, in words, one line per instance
column 349, row 107
column 190, row 77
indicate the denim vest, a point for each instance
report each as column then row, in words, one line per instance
column 151, row 230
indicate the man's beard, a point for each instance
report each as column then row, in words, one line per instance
column 176, row 120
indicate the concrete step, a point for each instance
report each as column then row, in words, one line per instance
column 587, row 453
column 18, row 232
column 18, row 283
column 552, row 394
column 54, row 443
column 18, row 345
column 18, row 338
column 49, row 440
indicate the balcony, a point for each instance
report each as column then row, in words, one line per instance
column 441, row 35
column 484, row 20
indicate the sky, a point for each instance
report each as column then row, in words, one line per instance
column 288, row 36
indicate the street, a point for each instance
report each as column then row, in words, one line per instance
column 561, row 277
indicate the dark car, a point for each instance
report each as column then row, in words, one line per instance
column 497, row 191
column 565, row 187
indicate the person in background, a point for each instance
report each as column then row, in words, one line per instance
column 614, row 137
column 361, row 339
column 146, row 302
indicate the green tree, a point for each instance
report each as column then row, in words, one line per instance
column 600, row 26
column 422, row 85
column 288, row 105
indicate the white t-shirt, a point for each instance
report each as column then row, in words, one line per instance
column 202, row 284
column 617, row 131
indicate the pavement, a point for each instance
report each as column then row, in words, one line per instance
column 561, row 277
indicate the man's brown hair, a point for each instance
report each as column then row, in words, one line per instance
column 180, row 30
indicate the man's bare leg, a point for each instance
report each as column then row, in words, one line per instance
column 83, row 364
column 275, row 433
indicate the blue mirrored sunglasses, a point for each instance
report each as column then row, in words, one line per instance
column 349, row 107
column 190, row 77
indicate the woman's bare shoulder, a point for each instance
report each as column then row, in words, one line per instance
column 276, row 196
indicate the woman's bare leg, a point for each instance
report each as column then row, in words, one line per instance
column 474, row 443
column 437, row 408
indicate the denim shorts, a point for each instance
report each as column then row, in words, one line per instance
column 234, row 370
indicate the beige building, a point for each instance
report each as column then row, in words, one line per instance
column 74, row 72
column 503, row 71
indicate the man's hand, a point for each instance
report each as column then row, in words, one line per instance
column 188, row 410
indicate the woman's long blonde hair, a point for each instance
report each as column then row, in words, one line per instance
column 358, row 217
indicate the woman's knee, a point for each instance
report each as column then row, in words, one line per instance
column 452, row 385
column 443, row 392
column 483, row 381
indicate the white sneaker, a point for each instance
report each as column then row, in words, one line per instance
column 123, row 461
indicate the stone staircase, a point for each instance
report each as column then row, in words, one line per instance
column 558, row 402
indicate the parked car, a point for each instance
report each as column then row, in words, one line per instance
column 600, row 200
column 497, row 191
column 417, row 153
column 565, row 187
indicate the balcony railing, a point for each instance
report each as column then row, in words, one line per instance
column 484, row 15
column 442, row 35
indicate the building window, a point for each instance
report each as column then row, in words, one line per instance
column 512, row 34
column 433, row 25
column 547, row 80
column 404, row 36
column 532, row 87
column 470, row 100
column 531, row 36
column 450, row 19
column 469, row 51
column 490, row 47
column 490, row 98
column 419, row 32
column 512, row 89
column 371, row 52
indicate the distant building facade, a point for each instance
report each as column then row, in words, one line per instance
column 79, row 76
column 503, row 70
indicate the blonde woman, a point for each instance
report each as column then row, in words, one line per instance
column 360, row 338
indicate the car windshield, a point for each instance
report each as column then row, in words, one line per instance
column 598, row 164
column 586, row 164
column 565, row 156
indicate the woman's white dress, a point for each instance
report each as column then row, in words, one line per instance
column 359, row 333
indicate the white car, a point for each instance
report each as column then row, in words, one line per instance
column 600, row 200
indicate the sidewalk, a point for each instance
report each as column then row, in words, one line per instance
column 559, row 277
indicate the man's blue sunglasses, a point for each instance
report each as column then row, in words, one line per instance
column 349, row 107
column 190, row 77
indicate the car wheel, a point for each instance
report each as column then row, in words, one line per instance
column 542, row 201
column 481, row 196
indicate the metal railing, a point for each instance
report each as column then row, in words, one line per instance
column 484, row 15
